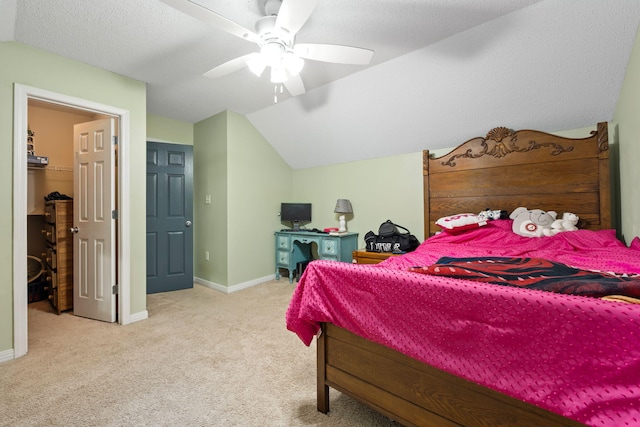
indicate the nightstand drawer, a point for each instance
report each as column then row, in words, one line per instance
column 282, row 259
column 284, row 242
column 329, row 247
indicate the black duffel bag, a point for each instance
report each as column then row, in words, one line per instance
column 391, row 239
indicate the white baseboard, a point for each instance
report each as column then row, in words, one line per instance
column 142, row 315
column 233, row 288
column 6, row 355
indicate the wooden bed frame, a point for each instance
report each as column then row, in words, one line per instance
column 505, row 170
column 508, row 169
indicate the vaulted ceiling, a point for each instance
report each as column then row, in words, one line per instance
column 442, row 71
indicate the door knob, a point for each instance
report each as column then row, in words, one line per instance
column 188, row 223
column 73, row 229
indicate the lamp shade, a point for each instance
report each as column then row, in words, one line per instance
column 343, row 206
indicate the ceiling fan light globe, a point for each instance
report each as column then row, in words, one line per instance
column 292, row 63
column 278, row 74
column 272, row 53
column 256, row 64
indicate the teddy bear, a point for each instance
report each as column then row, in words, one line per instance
column 532, row 222
column 568, row 222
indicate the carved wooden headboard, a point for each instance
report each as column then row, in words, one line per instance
column 508, row 169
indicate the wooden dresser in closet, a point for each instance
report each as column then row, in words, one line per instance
column 58, row 218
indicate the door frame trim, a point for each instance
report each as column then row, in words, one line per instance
column 22, row 94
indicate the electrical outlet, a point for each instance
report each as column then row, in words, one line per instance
column 207, row 199
column 206, row 255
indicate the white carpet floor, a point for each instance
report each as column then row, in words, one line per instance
column 203, row 358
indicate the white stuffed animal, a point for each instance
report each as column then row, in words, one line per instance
column 532, row 222
column 568, row 222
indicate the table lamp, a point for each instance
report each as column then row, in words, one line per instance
column 343, row 206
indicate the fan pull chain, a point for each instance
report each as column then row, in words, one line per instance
column 275, row 93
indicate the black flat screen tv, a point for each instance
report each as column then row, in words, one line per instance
column 295, row 213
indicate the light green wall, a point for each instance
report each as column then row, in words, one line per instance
column 163, row 129
column 626, row 129
column 210, row 178
column 247, row 180
column 379, row 189
column 32, row 67
column 259, row 179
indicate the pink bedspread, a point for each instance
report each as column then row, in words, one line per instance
column 576, row 356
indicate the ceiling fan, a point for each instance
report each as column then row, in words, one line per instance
column 275, row 36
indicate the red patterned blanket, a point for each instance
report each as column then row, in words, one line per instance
column 535, row 273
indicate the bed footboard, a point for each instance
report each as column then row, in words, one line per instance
column 411, row 392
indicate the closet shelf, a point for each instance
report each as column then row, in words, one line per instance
column 53, row 168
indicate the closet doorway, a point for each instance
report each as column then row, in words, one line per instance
column 28, row 97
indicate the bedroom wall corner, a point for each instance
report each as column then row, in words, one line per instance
column 246, row 181
column 210, row 219
column 258, row 180
column 626, row 135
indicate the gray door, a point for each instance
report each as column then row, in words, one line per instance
column 169, row 217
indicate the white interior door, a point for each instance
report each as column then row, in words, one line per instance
column 94, row 229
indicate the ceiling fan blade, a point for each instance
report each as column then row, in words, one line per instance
column 334, row 53
column 294, row 85
column 294, row 13
column 210, row 17
column 229, row 66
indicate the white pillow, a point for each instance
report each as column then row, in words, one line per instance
column 460, row 222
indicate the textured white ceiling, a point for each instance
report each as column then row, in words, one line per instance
column 526, row 70
column 443, row 70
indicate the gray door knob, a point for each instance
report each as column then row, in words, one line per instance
column 188, row 223
column 73, row 229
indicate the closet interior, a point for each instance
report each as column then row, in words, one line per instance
column 50, row 189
